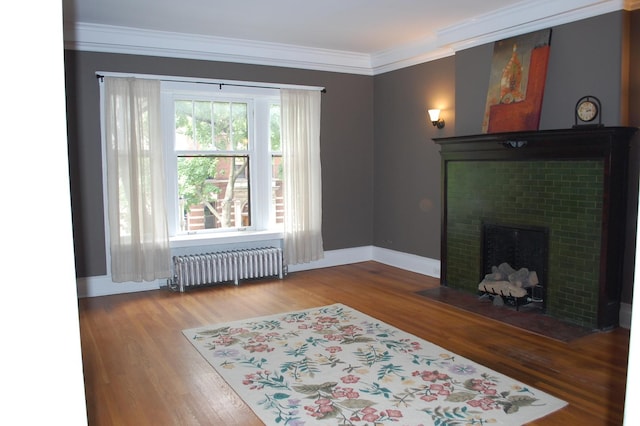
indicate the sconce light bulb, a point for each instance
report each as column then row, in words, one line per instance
column 434, row 116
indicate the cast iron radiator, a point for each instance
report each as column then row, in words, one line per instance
column 226, row 266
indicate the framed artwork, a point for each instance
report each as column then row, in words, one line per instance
column 516, row 83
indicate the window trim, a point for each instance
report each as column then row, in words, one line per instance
column 258, row 101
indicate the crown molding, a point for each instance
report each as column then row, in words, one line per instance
column 517, row 19
column 125, row 40
column 522, row 18
column 425, row 50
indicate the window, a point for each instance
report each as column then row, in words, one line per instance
column 223, row 156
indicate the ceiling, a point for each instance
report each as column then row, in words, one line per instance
column 360, row 36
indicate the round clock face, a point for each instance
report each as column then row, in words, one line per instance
column 587, row 110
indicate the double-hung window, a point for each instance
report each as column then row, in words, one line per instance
column 223, row 156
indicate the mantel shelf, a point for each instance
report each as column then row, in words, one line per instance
column 560, row 143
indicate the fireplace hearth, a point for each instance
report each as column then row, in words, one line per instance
column 514, row 263
column 560, row 189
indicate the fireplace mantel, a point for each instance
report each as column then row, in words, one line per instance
column 545, row 144
column 589, row 161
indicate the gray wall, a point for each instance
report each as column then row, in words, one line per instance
column 407, row 161
column 346, row 143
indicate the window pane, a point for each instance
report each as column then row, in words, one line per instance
column 193, row 125
column 213, row 192
column 277, row 186
column 203, row 124
column 184, row 125
column 240, row 129
column 222, row 127
column 274, row 127
column 199, row 122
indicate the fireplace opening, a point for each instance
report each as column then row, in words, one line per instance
column 514, row 263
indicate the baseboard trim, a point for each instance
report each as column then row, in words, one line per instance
column 103, row 286
column 408, row 262
column 337, row 258
column 625, row 315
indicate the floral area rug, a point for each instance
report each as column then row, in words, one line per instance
column 333, row 365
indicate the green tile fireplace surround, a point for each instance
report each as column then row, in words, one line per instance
column 571, row 182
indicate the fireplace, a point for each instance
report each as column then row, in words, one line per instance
column 568, row 185
column 523, row 249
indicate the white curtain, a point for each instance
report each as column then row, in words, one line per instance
column 302, row 177
column 135, row 180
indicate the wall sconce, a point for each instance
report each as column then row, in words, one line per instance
column 434, row 115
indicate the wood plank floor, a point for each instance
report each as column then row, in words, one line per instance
column 140, row 370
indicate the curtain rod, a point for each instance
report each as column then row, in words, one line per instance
column 101, row 77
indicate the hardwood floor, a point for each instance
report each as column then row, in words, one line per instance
column 140, row 370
